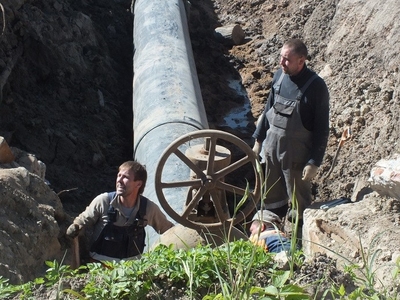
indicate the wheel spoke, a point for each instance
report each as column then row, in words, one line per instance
column 211, row 155
column 193, row 202
column 189, row 163
column 176, row 184
column 232, row 167
column 218, row 204
column 231, row 188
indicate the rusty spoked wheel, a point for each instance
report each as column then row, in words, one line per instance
column 212, row 172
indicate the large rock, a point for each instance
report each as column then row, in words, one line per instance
column 181, row 237
column 30, row 213
column 385, row 177
column 363, row 232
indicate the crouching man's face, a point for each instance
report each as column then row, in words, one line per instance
column 256, row 227
column 126, row 183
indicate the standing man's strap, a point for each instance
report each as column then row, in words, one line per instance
column 277, row 85
column 305, row 86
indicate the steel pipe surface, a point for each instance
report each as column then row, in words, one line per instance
column 167, row 101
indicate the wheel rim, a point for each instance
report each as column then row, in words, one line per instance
column 209, row 185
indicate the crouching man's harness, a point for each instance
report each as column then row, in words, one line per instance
column 122, row 241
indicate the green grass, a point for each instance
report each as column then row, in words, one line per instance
column 228, row 272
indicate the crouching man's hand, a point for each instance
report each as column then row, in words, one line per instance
column 309, row 172
column 73, row 230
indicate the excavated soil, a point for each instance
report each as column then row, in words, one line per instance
column 67, row 82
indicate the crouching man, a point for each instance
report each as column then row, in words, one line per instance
column 265, row 232
column 119, row 218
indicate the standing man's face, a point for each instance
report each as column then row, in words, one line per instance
column 290, row 62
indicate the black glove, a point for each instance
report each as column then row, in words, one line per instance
column 73, row 230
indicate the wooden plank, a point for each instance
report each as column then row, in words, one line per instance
column 6, row 155
column 232, row 33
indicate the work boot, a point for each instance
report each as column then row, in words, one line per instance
column 292, row 215
column 280, row 211
column 289, row 227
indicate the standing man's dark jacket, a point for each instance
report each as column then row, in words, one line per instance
column 314, row 110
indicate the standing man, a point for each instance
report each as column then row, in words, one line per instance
column 119, row 218
column 295, row 127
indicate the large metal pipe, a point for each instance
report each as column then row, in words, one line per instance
column 167, row 101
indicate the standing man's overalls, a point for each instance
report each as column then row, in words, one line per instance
column 287, row 150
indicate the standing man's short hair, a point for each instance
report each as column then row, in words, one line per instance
column 297, row 46
column 139, row 171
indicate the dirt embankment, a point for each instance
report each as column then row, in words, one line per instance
column 66, row 85
column 354, row 47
